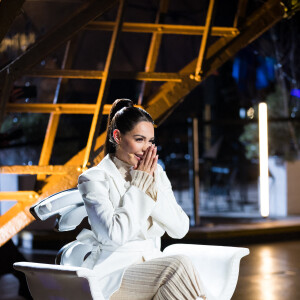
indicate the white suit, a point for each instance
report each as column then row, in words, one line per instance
column 119, row 216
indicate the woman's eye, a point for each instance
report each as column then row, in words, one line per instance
column 139, row 140
column 152, row 142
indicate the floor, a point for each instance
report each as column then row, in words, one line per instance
column 270, row 272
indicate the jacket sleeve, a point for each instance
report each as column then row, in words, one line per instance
column 109, row 223
column 167, row 212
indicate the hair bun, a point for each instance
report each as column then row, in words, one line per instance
column 123, row 102
column 118, row 105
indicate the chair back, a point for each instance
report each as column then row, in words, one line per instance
column 67, row 206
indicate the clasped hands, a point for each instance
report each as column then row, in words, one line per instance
column 148, row 163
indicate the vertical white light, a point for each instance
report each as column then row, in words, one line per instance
column 263, row 159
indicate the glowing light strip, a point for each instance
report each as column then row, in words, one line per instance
column 263, row 159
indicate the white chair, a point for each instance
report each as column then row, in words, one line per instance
column 218, row 266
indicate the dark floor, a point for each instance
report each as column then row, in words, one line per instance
column 270, row 272
column 9, row 284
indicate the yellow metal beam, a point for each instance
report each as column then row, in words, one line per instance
column 48, row 141
column 14, row 220
column 103, row 91
column 169, row 95
column 254, row 25
column 19, row 216
column 153, row 49
column 60, row 108
column 163, row 28
column 203, row 47
column 45, row 170
column 46, row 108
column 72, row 74
column 54, row 118
column 23, row 196
column 91, row 74
column 56, row 37
column 217, row 54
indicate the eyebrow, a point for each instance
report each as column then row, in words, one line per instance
column 143, row 136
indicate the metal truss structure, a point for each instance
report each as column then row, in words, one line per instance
column 230, row 40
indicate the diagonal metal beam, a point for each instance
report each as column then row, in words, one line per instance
column 104, row 86
column 14, row 220
column 9, row 9
column 240, row 13
column 54, row 118
column 56, row 37
column 153, row 49
column 203, row 46
column 48, row 43
column 218, row 53
column 255, row 25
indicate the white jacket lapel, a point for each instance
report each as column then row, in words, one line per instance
column 108, row 165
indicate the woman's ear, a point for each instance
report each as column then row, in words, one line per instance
column 117, row 135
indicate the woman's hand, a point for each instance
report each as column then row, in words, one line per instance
column 149, row 161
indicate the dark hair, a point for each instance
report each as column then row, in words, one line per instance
column 123, row 116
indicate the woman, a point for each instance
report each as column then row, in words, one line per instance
column 130, row 205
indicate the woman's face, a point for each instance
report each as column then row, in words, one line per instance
column 133, row 144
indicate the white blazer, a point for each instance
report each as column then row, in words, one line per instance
column 118, row 213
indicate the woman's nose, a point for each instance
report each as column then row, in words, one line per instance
column 146, row 146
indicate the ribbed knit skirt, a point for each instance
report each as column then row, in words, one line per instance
column 166, row 278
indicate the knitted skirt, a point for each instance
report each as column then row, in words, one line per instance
column 166, row 278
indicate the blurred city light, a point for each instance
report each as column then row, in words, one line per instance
column 250, row 113
column 295, row 93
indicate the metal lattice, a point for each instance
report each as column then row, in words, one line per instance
column 228, row 41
